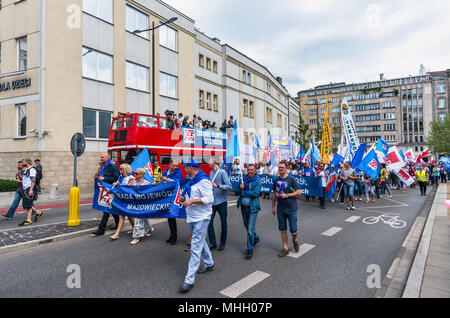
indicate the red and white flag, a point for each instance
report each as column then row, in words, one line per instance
column 419, row 159
column 405, row 177
column 425, row 153
column 394, row 161
column 409, row 155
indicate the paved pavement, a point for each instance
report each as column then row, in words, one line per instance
column 340, row 250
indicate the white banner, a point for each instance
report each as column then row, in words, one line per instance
column 349, row 127
column 394, row 162
column 247, row 155
column 405, row 177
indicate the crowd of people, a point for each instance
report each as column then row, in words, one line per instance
column 177, row 121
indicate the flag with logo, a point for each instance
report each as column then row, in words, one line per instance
column 325, row 148
column 233, row 149
column 349, row 128
column 394, row 162
column 410, row 156
column 358, row 156
column 143, row 161
column 370, row 165
column 383, row 147
column 336, row 161
column 405, row 177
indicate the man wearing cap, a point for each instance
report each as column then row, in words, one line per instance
column 198, row 203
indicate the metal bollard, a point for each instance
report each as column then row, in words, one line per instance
column 74, row 207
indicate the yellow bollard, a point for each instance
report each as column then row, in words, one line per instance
column 74, row 207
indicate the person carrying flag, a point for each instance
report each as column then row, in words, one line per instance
column 248, row 202
column 198, row 203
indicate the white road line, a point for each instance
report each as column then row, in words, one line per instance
column 353, row 219
column 403, row 204
column 332, row 231
column 244, row 284
column 381, row 212
column 391, row 272
column 305, row 248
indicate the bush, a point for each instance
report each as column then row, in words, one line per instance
column 8, row 186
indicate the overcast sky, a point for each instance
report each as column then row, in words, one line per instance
column 315, row 42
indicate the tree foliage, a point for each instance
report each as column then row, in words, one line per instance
column 439, row 138
column 303, row 134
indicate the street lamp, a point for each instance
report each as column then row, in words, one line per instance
column 153, row 28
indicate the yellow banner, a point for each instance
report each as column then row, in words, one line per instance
column 325, row 148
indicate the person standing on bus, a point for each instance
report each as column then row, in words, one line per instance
column 221, row 185
column 109, row 173
column 198, row 203
column 169, row 175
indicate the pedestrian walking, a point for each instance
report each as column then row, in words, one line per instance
column 436, row 174
column 348, row 176
column 18, row 194
column 369, row 186
column 29, row 194
column 126, row 179
column 142, row 227
column 221, row 185
column 108, row 173
column 322, row 173
column 286, row 191
column 422, row 178
column 248, row 202
column 198, row 203
column 39, row 175
column 443, row 173
column 173, row 173
column 384, row 177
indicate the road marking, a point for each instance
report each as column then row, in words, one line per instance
column 305, row 248
column 388, row 219
column 402, row 204
column 353, row 219
column 244, row 284
column 391, row 272
column 381, row 212
column 332, row 231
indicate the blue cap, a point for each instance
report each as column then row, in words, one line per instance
column 193, row 164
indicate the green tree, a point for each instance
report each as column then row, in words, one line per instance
column 439, row 138
column 303, row 134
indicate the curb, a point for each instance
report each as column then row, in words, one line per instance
column 414, row 284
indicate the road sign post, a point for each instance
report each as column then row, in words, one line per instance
column 77, row 146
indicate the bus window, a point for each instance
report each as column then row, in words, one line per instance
column 147, row 122
column 128, row 122
column 186, row 158
column 163, row 123
column 153, row 155
column 205, row 159
column 128, row 156
column 117, row 124
column 165, row 160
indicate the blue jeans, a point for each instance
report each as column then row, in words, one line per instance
column 349, row 190
column 222, row 210
column 15, row 204
column 283, row 217
column 249, row 219
column 199, row 250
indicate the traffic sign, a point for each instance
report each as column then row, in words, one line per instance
column 78, row 144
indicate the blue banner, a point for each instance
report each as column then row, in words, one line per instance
column 310, row 186
column 204, row 138
column 143, row 202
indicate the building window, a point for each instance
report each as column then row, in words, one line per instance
column 245, row 107
column 441, row 88
column 137, row 77
column 208, row 101
column 336, row 110
column 168, row 85
column 216, row 103
column 279, row 121
column 322, row 111
column 313, row 111
column 215, row 67
column 101, row 9
column 246, row 77
column 250, row 109
column 22, row 54
column 97, row 66
column 136, row 20
column 389, row 116
column 269, row 115
column 313, row 122
column 208, row 64
column 336, row 120
column 96, row 124
column 389, row 127
column 201, row 60
column 168, row 37
column 269, row 89
column 442, row 117
column 442, row 103
column 201, row 99
column 21, row 110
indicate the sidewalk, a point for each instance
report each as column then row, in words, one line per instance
column 430, row 273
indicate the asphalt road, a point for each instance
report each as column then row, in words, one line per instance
column 333, row 266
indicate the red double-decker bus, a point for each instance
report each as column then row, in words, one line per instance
column 132, row 133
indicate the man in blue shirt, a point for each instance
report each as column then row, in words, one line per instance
column 169, row 175
column 221, row 184
column 248, row 201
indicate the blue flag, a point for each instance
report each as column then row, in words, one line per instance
column 233, row 149
column 359, row 156
column 336, row 161
column 315, row 153
column 273, row 159
column 143, row 161
column 402, row 155
column 370, row 165
column 383, row 146
column 301, row 154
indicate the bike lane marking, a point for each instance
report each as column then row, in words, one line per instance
column 353, row 219
column 333, row 231
column 244, row 284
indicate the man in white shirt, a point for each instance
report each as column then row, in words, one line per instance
column 29, row 194
column 198, row 203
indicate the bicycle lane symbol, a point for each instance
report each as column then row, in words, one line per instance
column 388, row 219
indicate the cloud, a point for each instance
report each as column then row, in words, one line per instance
column 310, row 43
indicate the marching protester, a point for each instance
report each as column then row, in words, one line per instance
column 436, row 174
column 443, row 173
column 126, row 179
column 173, row 173
column 286, row 190
column 29, row 194
column 39, row 175
column 348, row 176
column 221, row 185
column 142, row 227
column 108, row 173
column 384, row 184
column 18, row 194
column 369, row 185
column 422, row 178
column 248, row 202
column 322, row 173
column 157, row 173
column 198, row 203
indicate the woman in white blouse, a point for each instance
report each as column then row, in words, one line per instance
column 142, row 227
